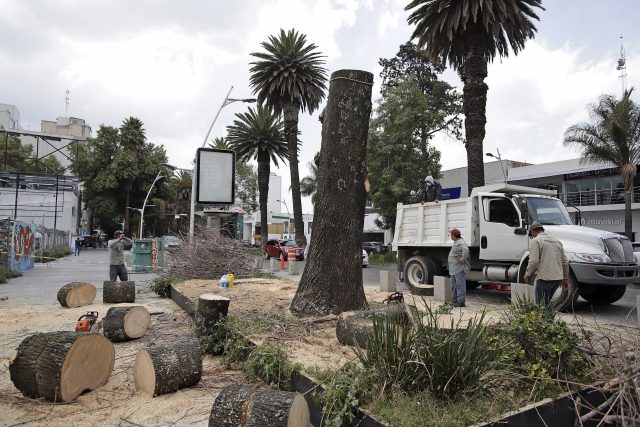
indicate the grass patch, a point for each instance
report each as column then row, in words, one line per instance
column 380, row 259
column 267, row 276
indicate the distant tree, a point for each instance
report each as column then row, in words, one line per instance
column 415, row 106
column 468, row 34
column 259, row 134
column 612, row 136
column 290, row 77
column 19, row 157
column 309, row 184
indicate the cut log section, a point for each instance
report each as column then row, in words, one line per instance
column 165, row 368
column 59, row 366
column 239, row 405
column 126, row 323
column 355, row 327
column 211, row 308
column 117, row 292
column 76, row 294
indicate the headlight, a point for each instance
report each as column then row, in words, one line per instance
column 600, row 258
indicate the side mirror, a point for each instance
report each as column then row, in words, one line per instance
column 520, row 231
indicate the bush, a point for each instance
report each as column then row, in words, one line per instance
column 162, row 286
column 270, row 363
column 6, row 273
column 388, row 258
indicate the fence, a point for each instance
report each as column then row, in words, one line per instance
column 598, row 197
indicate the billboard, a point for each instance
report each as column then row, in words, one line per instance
column 215, row 176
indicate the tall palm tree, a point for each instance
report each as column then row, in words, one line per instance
column 219, row 143
column 309, row 184
column 259, row 134
column 614, row 136
column 289, row 77
column 468, row 34
column 132, row 139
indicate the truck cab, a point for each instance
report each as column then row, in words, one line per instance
column 494, row 222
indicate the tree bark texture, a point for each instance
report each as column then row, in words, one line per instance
column 264, row 169
column 76, row 294
column 117, row 292
column 173, row 366
column 228, row 409
column 473, row 73
column 628, row 218
column 239, row 405
column 332, row 279
column 211, row 308
column 355, row 327
column 126, row 323
column 71, row 363
column 22, row 369
column 290, row 113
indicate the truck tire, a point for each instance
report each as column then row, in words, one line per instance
column 419, row 270
column 601, row 295
column 564, row 299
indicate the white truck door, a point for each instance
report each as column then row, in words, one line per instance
column 499, row 220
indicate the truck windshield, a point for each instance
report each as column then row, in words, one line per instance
column 548, row 211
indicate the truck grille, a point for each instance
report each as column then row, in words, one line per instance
column 619, row 249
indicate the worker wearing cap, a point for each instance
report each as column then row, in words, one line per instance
column 116, row 256
column 432, row 190
column 548, row 261
column 459, row 266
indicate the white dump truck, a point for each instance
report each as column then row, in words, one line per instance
column 494, row 223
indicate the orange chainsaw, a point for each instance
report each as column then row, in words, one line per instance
column 87, row 322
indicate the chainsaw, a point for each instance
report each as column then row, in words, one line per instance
column 394, row 298
column 87, row 322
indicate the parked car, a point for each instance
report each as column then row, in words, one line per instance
column 365, row 256
column 171, row 241
column 374, row 247
column 276, row 248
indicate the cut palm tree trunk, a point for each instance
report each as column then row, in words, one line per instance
column 117, row 292
column 76, row 294
column 66, row 364
column 165, row 368
column 246, row 406
column 355, row 327
column 126, row 323
column 211, row 308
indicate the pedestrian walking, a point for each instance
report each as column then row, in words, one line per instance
column 547, row 262
column 431, row 190
column 459, row 266
column 76, row 248
column 116, row 256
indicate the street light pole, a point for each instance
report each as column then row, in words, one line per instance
column 226, row 102
column 288, row 216
column 159, row 176
column 504, row 175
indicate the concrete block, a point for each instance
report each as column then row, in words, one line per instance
column 388, row 281
column 274, row 265
column 442, row 288
column 259, row 263
column 293, row 268
column 522, row 291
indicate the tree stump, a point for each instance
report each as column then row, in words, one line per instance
column 239, row 405
column 332, row 279
column 355, row 327
column 117, row 292
column 211, row 308
column 59, row 366
column 167, row 367
column 126, row 323
column 76, row 294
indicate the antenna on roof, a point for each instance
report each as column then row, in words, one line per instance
column 66, row 101
column 622, row 67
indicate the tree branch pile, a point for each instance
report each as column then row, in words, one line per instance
column 209, row 255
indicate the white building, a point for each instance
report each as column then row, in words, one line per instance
column 9, row 117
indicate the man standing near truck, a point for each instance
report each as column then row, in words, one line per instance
column 547, row 259
column 116, row 256
column 459, row 266
column 431, row 191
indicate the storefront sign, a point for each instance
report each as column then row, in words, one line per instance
column 591, row 174
column 451, row 193
column 154, row 254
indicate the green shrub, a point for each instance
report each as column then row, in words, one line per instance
column 162, row 286
column 6, row 273
column 388, row 258
column 270, row 363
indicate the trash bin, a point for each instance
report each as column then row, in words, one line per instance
column 148, row 255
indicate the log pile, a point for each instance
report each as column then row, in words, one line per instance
column 210, row 254
column 167, row 367
column 59, row 366
column 76, row 294
column 118, row 292
column 355, row 327
column 126, row 323
column 211, row 308
column 240, row 405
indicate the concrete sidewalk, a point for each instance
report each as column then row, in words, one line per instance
column 40, row 285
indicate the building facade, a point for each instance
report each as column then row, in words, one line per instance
column 9, row 117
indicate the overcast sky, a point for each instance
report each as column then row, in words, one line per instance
column 170, row 63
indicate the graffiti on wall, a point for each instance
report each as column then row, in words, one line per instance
column 23, row 239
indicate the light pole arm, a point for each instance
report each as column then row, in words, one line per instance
column 145, row 202
column 195, row 169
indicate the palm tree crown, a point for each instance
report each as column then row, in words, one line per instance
column 258, row 130
column 289, row 72
column 444, row 27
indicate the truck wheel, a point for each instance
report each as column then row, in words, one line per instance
column 600, row 295
column 419, row 270
column 564, row 299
